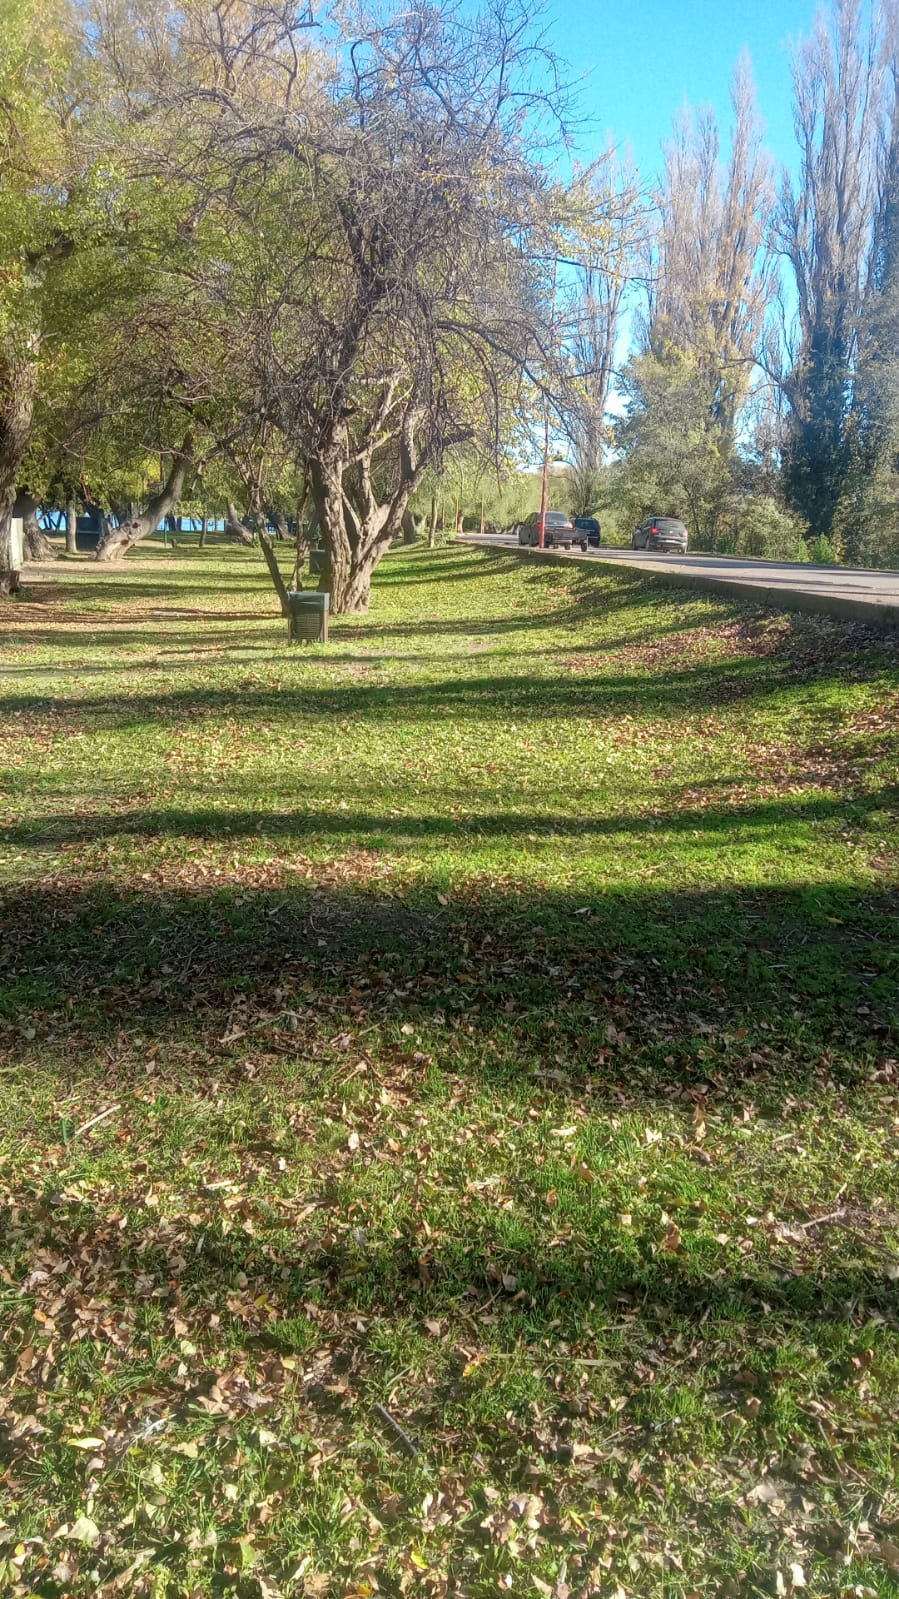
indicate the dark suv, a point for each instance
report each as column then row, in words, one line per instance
column 557, row 530
column 589, row 526
column 661, row 533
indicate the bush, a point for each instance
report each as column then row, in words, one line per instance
column 824, row 551
column 760, row 527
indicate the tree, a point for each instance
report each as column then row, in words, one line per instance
column 672, row 462
column 615, row 237
column 824, row 229
column 368, row 237
column 712, row 284
column 869, row 519
column 710, row 288
column 36, row 87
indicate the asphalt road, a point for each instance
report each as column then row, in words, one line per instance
column 846, row 587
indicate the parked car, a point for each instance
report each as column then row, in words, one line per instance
column 589, row 526
column 661, row 533
column 560, row 531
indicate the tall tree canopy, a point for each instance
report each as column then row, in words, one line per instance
column 362, row 236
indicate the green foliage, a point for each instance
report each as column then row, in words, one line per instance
column 675, row 460
column 760, row 526
column 508, row 495
column 824, row 551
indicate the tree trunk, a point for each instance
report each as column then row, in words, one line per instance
column 18, row 383
column 411, row 526
column 115, row 541
column 279, row 523
column 71, row 528
column 271, row 561
column 236, row 527
column 351, row 558
column 432, row 528
column 37, row 545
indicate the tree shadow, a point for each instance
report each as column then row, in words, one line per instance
column 695, row 984
column 476, row 698
column 699, row 822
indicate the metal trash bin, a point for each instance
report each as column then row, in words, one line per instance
column 307, row 619
column 318, row 562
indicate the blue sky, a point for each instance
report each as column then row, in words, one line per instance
column 645, row 58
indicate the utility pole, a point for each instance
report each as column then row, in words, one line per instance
column 541, row 540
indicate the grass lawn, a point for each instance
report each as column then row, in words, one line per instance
column 448, row 1089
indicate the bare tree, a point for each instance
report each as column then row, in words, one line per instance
column 615, row 243
column 712, row 284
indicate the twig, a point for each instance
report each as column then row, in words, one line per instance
column 85, row 1126
column 402, row 1437
column 817, row 1221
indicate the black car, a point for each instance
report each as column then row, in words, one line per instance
column 589, row 526
column 661, row 533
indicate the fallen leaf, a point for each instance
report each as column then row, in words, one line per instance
column 764, row 1493
column 85, row 1531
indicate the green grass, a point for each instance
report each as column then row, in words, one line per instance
column 496, row 1016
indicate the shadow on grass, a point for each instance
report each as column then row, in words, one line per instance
column 373, row 830
column 476, row 697
column 578, row 1289
column 151, row 639
column 697, row 985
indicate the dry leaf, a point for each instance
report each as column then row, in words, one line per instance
column 85, row 1531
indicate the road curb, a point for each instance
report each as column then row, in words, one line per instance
column 774, row 599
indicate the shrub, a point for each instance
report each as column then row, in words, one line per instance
column 824, row 551
column 763, row 528
column 758, row 526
